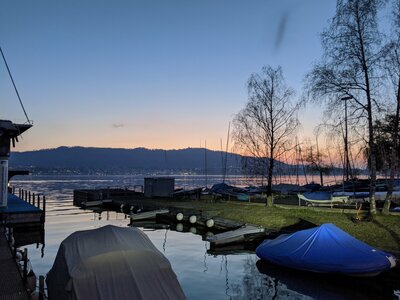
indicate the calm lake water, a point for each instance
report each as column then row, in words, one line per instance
column 201, row 275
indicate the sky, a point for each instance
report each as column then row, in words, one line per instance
column 155, row 74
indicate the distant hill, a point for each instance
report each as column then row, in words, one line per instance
column 124, row 160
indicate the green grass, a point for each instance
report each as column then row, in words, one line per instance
column 382, row 232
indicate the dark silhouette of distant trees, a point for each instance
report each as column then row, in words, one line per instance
column 351, row 68
column 264, row 126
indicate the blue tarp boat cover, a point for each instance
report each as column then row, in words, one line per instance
column 322, row 196
column 325, row 249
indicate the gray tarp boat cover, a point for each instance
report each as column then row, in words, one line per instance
column 111, row 263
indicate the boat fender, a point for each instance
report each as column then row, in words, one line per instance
column 193, row 230
column 179, row 227
column 179, row 216
column 193, row 219
column 210, row 223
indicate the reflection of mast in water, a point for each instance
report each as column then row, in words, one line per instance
column 205, row 258
column 165, row 240
column 224, row 264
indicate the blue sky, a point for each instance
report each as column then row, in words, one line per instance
column 157, row 74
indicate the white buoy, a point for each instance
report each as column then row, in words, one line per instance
column 210, row 223
column 193, row 219
column 179, row 227
column 179, row 216
column 209, row 234
column 193, row 230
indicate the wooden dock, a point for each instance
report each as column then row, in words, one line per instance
column 11, row 283
column 246, row 233
column 20, row 212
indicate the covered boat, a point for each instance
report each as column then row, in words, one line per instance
column 111, row 263
column 326, row 249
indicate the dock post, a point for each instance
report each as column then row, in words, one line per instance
column 41, row 287
column 25, row 270
column 38, row 201
column 29, row 195
column 19, row 192
column 44, row 208
column 33, row 200
column 26, row 196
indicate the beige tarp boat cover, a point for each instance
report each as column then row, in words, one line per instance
column 111, row 263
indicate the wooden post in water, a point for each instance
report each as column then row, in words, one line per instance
column 25, row 269
column 19, row 192
column 33, row 200
column 41, row 287
column 38, row 201
column 29, row 195
column 26, row 195
column 44, row 208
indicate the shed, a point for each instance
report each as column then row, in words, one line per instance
column 159, row 186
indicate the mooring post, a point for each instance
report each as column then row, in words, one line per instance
column 25, row 270
column 30, row 198
column 26, row 196
column 33, row 201
column 44, row 208
column 38, row 201
column 41, row 287
column 19, row 192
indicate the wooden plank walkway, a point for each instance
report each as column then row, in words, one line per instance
column 19, row 211
column 11, row 284
column 240, row 235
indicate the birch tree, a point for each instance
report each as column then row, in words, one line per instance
column 350, row 68
column 264, row 126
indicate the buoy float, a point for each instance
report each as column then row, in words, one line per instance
column 193, row 230
column 210, row 223
column 209, row 234
column 179, row 216
column 179, row 227
column 193, row 219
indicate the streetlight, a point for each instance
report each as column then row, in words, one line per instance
column 346, row 143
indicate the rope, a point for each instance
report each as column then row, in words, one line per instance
column 15, row 87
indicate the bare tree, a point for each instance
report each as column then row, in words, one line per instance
column 350, row 68
column 392, row 65
column 262, row 129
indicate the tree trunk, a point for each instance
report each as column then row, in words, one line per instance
column 270, row 172
column 393, row 156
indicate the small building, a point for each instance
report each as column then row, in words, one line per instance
column 159, row 187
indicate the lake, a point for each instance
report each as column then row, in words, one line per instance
column 201, row 275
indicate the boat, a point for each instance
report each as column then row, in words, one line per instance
column 111, row 262
column 322, row 198
column 326, row 249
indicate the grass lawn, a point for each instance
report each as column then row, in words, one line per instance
column 382, row 232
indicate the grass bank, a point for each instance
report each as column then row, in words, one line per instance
column 382, row 232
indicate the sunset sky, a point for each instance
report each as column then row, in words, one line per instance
column 155, row 74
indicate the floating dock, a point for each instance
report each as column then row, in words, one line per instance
column 19, row 211
column 246, row 233
column 11, row 283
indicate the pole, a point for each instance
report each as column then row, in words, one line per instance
column 346, row 141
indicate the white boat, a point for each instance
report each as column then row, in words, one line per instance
column 323, row 198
